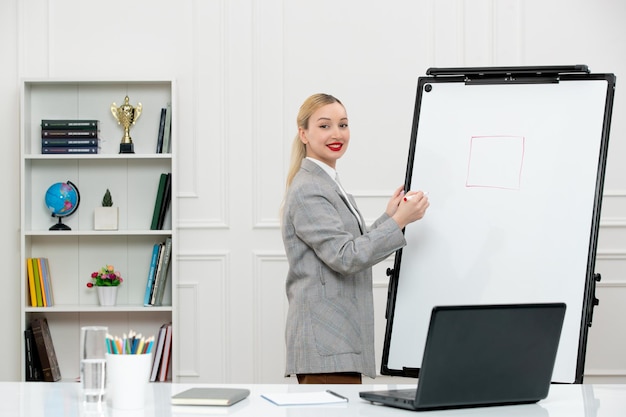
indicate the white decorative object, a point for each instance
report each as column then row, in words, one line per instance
column 106, row 218
column 107, row 296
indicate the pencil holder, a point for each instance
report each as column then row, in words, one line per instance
column 127, row 380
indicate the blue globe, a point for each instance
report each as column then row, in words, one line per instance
column 62, row 199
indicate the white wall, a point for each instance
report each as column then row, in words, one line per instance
column 243, row 67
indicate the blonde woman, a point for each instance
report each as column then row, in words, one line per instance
column 331, row 251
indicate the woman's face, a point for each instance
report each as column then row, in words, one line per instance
column 327, row 135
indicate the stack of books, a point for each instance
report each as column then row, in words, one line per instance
column 165, row 130
column 157, row 273
column 39, row 282
column 162, row 201
column 41, row 358
column 69, row 136
column 161, row 362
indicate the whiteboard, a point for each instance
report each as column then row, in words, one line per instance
column 514, row 174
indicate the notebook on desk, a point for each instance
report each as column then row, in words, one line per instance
column 210, row 396
column 482, row 355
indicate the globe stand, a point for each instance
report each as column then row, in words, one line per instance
column 60, row 225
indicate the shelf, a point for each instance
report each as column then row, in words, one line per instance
column 65, row 233
column 133, row 181
column 119, row 308
column 100, row 156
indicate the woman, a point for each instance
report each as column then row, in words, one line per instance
column 330, row 323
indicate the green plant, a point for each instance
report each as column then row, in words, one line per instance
column 106, row 276
column 107, row 200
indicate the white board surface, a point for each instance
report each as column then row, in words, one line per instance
column 512, row 174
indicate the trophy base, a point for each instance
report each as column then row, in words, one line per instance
column 127, row 148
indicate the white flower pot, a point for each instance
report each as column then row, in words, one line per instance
column 106, row 218
column 107, row 296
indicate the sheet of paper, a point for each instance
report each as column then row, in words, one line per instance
column 304, row 398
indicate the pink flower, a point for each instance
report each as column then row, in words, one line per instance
column 107, row 276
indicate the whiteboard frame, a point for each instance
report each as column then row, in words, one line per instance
column 504, row 76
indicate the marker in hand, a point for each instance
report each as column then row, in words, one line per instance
column 411, row 196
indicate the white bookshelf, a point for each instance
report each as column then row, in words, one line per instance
column 133, row 181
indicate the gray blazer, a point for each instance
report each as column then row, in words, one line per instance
column 330, row 322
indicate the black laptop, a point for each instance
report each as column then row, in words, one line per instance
column 483, row 355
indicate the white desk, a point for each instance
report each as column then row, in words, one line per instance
column 42, row 399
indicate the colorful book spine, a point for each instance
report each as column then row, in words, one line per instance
column 69, row 124
column 150, row 281
column 157, row 274
column 33, row 366
column 38, row 288
column 45, row 349
column 69, row 142
column 44, row 267
column 156, row 360
column 42, row 283
column 159, row 147
column 167, row 134
column 160, row 290
column 158, row 201
column 69, row 150
column 31, row 282
column 50, row 134
column 165, row 201
column 164, row 366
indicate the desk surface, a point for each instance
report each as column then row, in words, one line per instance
column 43, row 399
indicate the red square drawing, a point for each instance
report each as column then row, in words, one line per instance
column 495, row 162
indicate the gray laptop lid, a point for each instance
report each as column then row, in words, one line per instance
column 480, row 355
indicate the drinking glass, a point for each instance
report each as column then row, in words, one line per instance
column 93, row 362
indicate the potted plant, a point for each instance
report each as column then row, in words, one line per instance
column 107, row 216
column 106, row 280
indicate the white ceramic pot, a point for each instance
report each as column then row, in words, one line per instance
column 106, row 218
column 107, row 296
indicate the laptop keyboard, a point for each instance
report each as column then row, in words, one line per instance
column 405, row 394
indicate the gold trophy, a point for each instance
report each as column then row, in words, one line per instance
column 126, row 115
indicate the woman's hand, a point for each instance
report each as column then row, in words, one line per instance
column 412, row 207
column 394, row 201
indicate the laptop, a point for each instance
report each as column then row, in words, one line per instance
column 483, row 355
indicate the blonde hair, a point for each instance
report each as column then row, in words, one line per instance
column 298, row 148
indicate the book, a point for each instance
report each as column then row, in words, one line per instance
column 38, row 290
column 156, row 360
column 37, row 267
column 69, row 124
column 159, row 146
column 157, row 274
column 69, row 149
column 44, row 267
column 32, row 364
column 72, row 135
column 160, row 290
column 70, row 142
column 165, row 202
column 168, row 129
column 45, row 350
column 31, row 282
column 151, row 273
column 158, row 201
column 210, row 396
column 167, row 354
